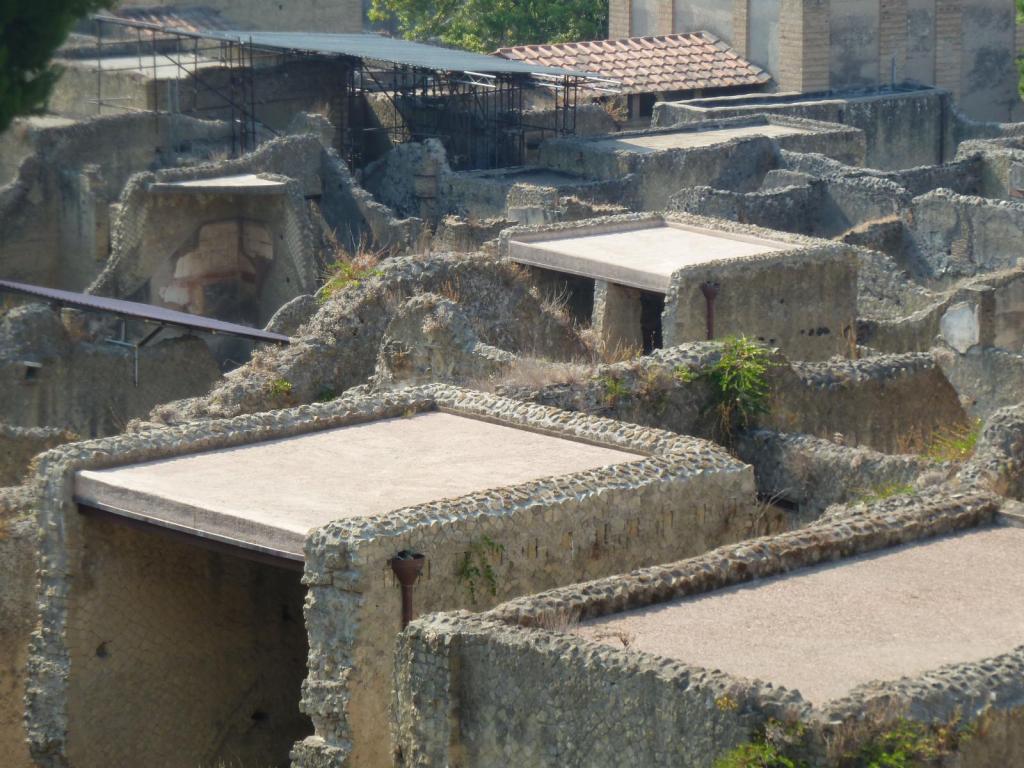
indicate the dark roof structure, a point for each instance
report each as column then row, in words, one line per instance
column 138, row 311
column 390, row 50
column 684, row 62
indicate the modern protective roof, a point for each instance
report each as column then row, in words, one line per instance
column 686, row 62
column 139, row 311
column 388, row 49
column 267, row 496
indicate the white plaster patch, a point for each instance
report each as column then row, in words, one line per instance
column 960, row 327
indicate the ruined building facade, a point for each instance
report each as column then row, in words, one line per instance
column 964, row 46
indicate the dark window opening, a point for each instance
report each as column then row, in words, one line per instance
column 652, row 305
column 574, row 292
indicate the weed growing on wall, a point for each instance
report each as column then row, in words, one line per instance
column 955, row 444
column 904, row 744
column 739, row 382
column 775, row 745
column 614, row 390
column 909, row 744
column 281, row 389
column 344, row 274
column 883, row 492
column 475, row 569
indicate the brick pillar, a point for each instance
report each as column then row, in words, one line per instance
column 666, row 17
column 804, row 45
column 740, row 30
column 619, row 13
column 617, row 316
column 892, row 41
column 948, row 45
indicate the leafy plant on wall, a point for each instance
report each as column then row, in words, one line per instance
column 475, row 569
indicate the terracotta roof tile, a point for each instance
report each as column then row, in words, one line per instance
column 190, row 19
column 648, row 64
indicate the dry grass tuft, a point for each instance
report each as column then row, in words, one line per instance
column 564, row 620
column 534, row 373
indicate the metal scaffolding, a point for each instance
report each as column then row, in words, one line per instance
column 377, row 91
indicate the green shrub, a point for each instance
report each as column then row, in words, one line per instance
column 755, row 755
column 343, row 274
column 614, row 390
column 281, row 389
column 775, row 745
column 910, row 744
column 739, row 382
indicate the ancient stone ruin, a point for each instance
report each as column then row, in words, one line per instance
column 368, row 403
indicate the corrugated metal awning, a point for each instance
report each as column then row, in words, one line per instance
column 139, row 311
column 388, row 49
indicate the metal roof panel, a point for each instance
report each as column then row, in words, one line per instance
column 139, row 311
column 388, row 49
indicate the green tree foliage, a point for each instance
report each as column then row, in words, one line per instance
column 30, row 31
column 1020, row 59
column 485, row 25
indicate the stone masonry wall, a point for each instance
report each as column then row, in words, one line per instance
column 888, row 403
column 803, row 300
column 959, row 236
column 18, row 535
column 681, row 496
column 18, row 446
column 54, row 217
column 814, row 473
column 503, row 688
column 661, row 173
column 53, row 378
column 181, row 657
column 901, row 130
column 551, row 532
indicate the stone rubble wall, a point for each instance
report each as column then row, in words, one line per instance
column 885, row 403
column 957, row 236
column 890, row 403
column 901, row 130
column 18, row 535
column 681, row 496
column 998, row 461
column 814, row 473
column 19, row 445
column 430, row 339
column 85, row 385
column 506, row 687
column 803, row 300
column 338, row 344
column 685, row 496
column 728, row 165
column 54, row 209
column 987, row 378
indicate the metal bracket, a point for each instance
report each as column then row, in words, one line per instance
column 134, row 346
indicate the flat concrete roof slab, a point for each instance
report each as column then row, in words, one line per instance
column 642, row 258
column 269, row 495
column 659, row 142
column 828, row 629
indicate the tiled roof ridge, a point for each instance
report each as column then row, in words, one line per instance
column 679, row 61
